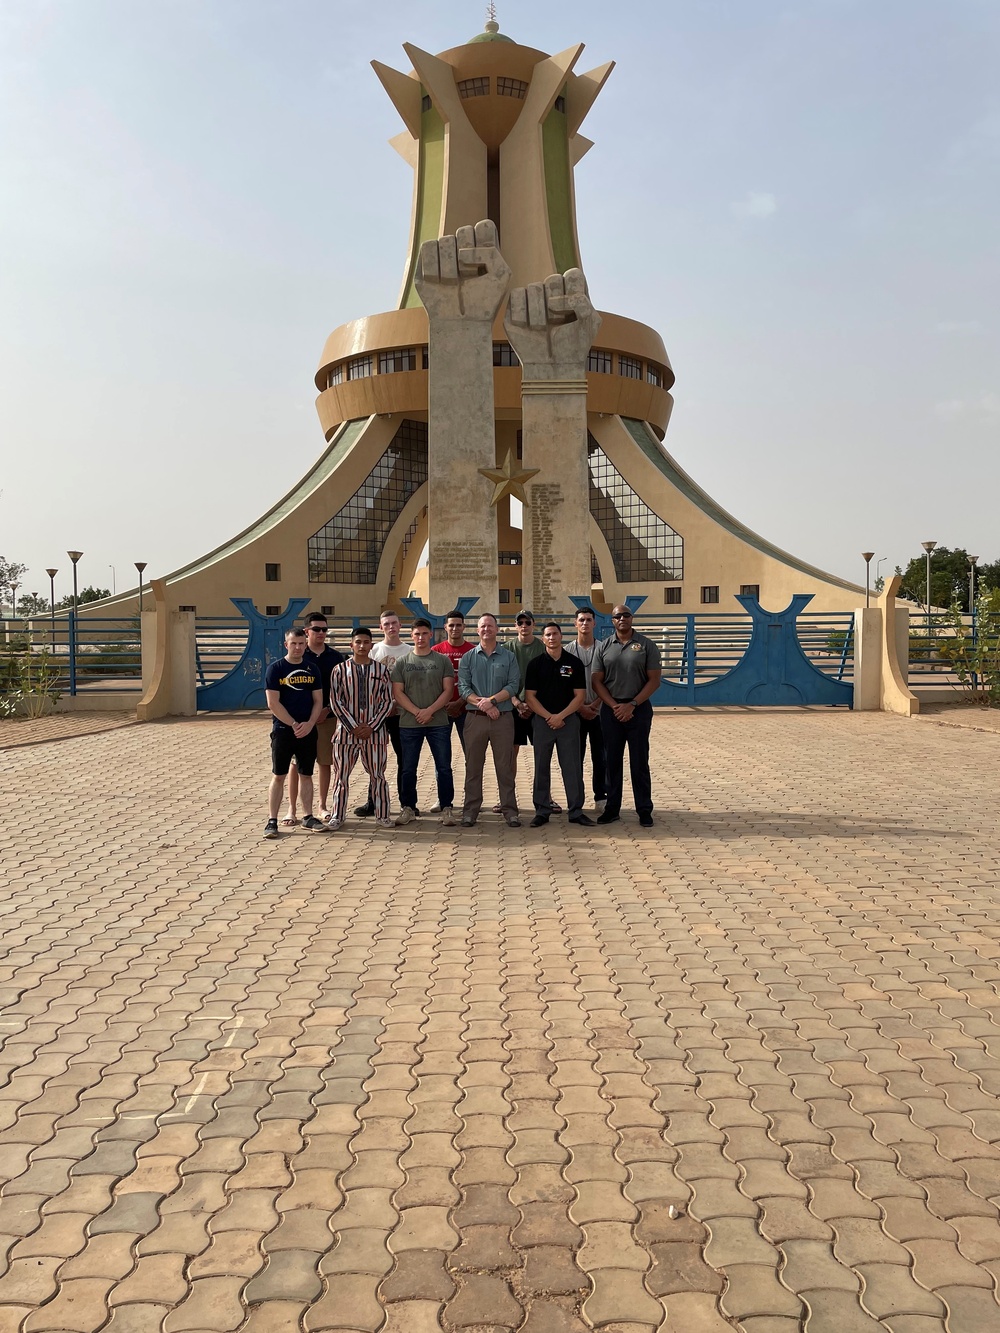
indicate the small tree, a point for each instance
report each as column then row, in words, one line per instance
column 32, row 605
column 88, row 594
column 976, row 660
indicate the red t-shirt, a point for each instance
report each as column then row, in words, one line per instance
column 454, row 656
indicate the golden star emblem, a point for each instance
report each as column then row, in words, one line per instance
column 509, row 479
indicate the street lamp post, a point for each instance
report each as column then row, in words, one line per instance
column 52, row 604
column 140, row 566
column 868, row 557
column 928, row 547
column 973, row 562
column 114, row 581
column 75, row 556
column 13, row 600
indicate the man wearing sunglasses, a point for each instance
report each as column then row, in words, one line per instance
column 626, row 673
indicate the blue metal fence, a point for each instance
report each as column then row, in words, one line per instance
column 88, row 654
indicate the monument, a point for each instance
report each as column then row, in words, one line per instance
column 495, row 380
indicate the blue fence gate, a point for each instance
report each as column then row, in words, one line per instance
column 753, row 658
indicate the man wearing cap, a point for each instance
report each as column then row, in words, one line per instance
column 626, row 673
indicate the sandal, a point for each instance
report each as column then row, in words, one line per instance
column 289, row 821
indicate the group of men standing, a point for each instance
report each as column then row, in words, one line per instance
column 330, row 711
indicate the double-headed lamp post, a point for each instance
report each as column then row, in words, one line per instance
column 973, row 562
column 928, row 547
column 52, row 604
column 76, row 557
column 140, row 566
column 868, row 557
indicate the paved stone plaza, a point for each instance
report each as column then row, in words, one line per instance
column 737, row 1071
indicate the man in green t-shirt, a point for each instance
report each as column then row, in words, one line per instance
column 422, row 685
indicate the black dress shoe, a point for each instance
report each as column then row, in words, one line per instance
column 539, row 821
column 646, row 821
column 582, row 819
column 609, row 817
column 365, row 811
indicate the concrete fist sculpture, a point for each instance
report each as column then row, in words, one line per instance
column 552, row 325
column 463, row 276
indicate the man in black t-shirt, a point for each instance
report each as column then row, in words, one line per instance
column 294, row 693
column 555, row 686
column 326, row 658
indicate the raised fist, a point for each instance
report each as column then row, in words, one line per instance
column 463, row 276
column 553, row 323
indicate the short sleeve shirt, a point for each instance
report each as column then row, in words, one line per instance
column 555, row 680
column 389, row 655
column 325, row 662
column 454, row 656
column 423, row 681
column 626, row 666
column 525, row 653
column 295, row 685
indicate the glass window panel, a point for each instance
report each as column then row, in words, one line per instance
column 599, row 361
column 347, row 548
column 710, row 594
column 671, row 596
column 504, row 355
column 511, row 87
column 403, row 358
column 359, row 368
column 643, row 547
column 630, row 367
column 474, row 87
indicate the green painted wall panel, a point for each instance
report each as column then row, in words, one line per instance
column 430, row 193
column 559, row 189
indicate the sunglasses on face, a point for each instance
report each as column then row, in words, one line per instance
column 623, row 615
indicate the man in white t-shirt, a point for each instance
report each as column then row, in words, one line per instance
column 388, row 652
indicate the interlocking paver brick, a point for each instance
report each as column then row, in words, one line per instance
column 773, row 1027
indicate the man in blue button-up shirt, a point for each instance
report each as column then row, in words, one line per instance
column 488, row 681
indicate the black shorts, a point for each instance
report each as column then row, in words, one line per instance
column 285, row 744
column 522, row 728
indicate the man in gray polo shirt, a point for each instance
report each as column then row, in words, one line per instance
column 626, row 673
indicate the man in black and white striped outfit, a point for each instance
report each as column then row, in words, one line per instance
column 360, row 700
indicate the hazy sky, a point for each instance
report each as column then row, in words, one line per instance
column 801, row 197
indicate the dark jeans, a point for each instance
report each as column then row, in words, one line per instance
column 391, row 728
column 439, row 743
column 591, row 731
column 634, row 734
column 566, row 742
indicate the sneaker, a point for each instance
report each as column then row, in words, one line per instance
column 271, row 829
column 608, row 817
column 539, row 821
column 512, row 821
column 333, row 824
column 467, row 822
column 313, row 825
column 365, row 811
column 448, row 816
column 436, row 809
column 582, row 819
column 406, row 816
column 646, row 821
column 384, row 823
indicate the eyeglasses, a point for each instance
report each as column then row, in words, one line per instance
column 318, row 629
column 623, row 615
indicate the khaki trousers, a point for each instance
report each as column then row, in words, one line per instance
column 480, row 732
